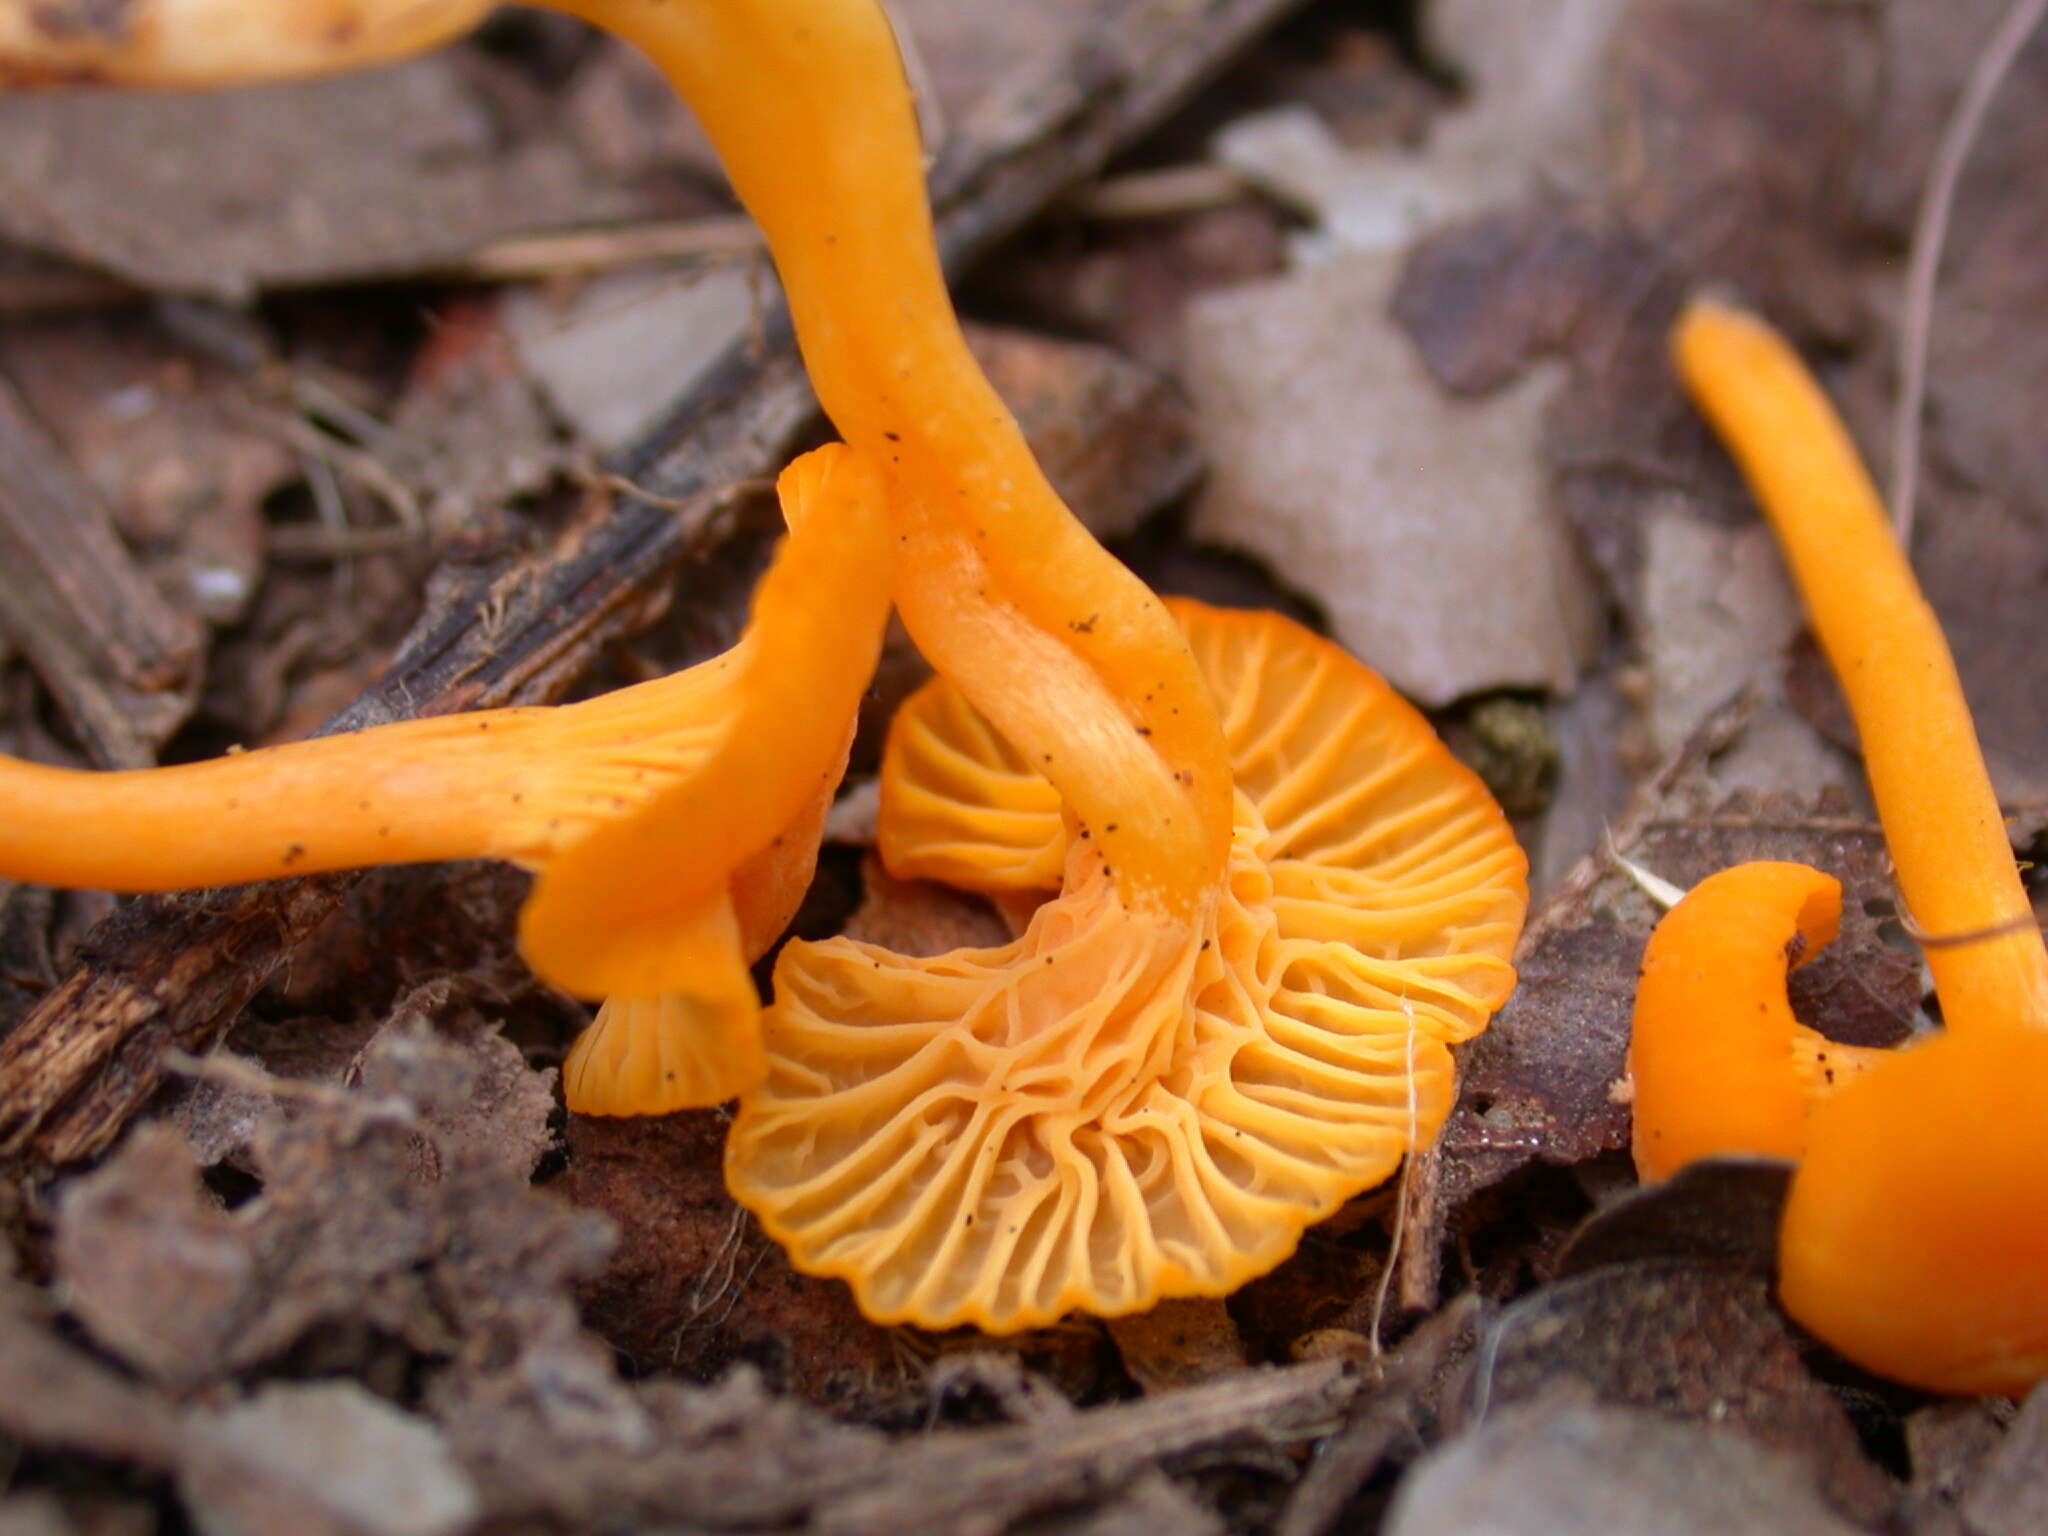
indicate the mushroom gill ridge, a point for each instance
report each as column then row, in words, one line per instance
column 1122, row 1106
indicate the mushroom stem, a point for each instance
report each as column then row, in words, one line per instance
column 208, row 43
column 451, row 787
column 643, row 809
column 1105, row 696
column 1717, row 1062
column 1941, row 818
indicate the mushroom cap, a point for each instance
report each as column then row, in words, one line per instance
column 1915, row 1240
column 1124, row 1105
column 1718, row 1063
column 200, row 43
column 604, row 910
column 664, row 908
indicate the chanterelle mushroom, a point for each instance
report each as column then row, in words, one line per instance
column 1122, row 1106
column 1915, row 1237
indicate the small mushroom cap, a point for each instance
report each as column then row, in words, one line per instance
column 1718, row 1063
column 201, row 43
column 1915, row 1240
column 1125, row 1105
column 604, row 911
column 664, row 908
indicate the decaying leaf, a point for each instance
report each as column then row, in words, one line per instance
column 1557, row 1468
column 1338, row 460
column 392, row 170
column 1693, row 1341
column 404, row 1208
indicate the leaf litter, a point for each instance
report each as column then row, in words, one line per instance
column 412, row 1299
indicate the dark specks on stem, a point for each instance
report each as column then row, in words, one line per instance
column 293, row 854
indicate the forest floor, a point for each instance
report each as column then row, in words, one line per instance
column 461, row 383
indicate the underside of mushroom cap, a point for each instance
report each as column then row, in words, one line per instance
column 1119, row 1106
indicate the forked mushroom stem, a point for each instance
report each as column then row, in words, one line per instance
column 1067, row 653
column 807, row 101
column 1941, row 818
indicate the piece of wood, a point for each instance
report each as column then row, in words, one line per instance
column 85, row 1060
column 121, row 661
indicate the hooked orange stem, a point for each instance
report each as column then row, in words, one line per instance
column 1710, row 1050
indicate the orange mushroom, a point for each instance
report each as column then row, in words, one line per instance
column 1090, row 681
column 829, row 162
column 1915, row 1238
column 1239, row 1019
column 644, row 894
column 1122, row 1106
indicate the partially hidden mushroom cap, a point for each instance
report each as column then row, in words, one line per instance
column 663, row 909
column 1127, row 1105
column 1719, row 1066
column 198, row 43
column 1915, row 1240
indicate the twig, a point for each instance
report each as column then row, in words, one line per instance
column 1397, row 1408
column 603, row 250
column 989, row 1480
column 118, row 657
column 1159, row 194
column 1930, row 231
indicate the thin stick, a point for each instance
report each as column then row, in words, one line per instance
column 1930, row 230
column 1386, row 1280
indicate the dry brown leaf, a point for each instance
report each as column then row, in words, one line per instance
column 389, row 171
column 1557, row 1468
column 1693, row 1341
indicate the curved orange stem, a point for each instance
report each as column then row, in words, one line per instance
column 602, row 911
column 1941, row 818
column 1710, row 1052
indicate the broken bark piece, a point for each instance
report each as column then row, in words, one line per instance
column 166, row 440
column 55, row 1396
column 120, row 659
column 392, row 1210
column 175, row 972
